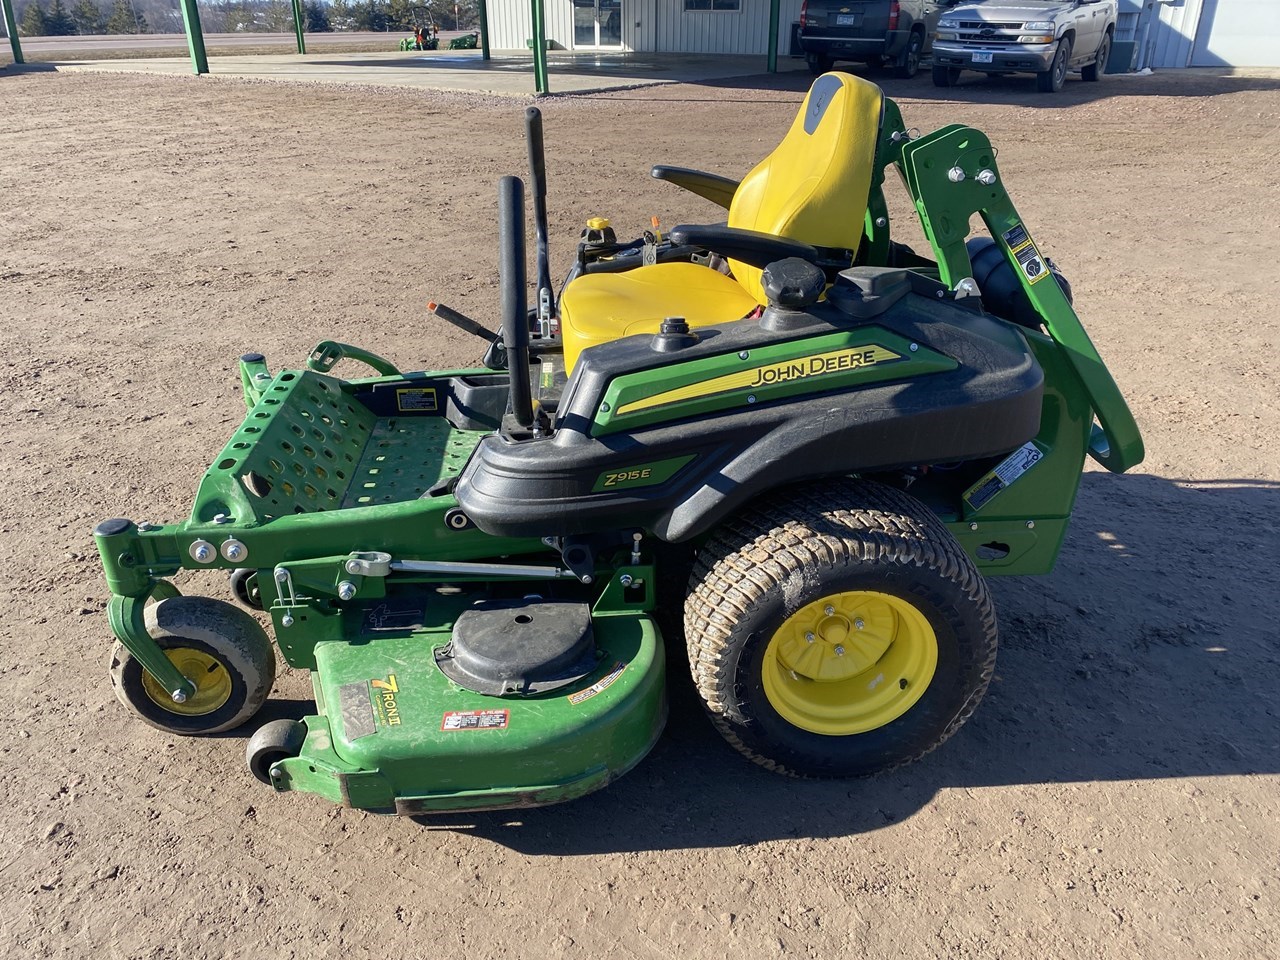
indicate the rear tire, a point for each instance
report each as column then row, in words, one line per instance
column 945, row 76
column 909, row 63
column 833, row 641
column 1094, row 71
column 1053, row 79
column 819, row 63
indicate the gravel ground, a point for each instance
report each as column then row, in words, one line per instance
column 1114, row 796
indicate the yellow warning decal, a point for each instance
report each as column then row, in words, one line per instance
column 1024, row 251
column 818, row 365
column 417, row 400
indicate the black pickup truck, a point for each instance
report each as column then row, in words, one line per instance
column 894, row 33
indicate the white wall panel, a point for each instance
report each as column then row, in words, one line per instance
column 1238, row 33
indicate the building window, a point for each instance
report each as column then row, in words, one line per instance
column 714, row 6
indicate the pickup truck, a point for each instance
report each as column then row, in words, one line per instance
column 881, row 33
column 1044, row 37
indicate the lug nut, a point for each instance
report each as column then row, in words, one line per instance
column 829, row 610
column 839, row 651
column 810, row 637
column 858, row 624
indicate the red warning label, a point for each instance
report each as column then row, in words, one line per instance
column 475, row 720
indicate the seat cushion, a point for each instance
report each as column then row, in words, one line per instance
column 599, row 307
column 814, row 186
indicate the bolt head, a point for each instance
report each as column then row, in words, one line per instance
column 626, row 580
column 744, row 354
column 986, row 177
column 178, row 696
column 751, row 398
column 1031, row 524
column 914, row 347
column 346, row 590
column 234, row 551
column 882, row 221
column 202, row 551
column 956, row 175
column 829, row 610
column 839, row 651
column 810, row 637
column 973, row 525
column 858, row 624
column 286, row 620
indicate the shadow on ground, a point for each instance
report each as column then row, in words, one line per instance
column 1105, row 673
column 981, row 90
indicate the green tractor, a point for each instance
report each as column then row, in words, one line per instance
column 790, row 438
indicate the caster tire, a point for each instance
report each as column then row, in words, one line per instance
column 221, row 648
column 274, row 741
column 838, row 630
column 244, row 587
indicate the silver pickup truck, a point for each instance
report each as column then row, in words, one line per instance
column 1044, row 37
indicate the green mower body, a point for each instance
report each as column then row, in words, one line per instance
column 476, row 593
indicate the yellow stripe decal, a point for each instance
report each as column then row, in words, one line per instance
column 817, row 365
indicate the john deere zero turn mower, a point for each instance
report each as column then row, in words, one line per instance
column 835, row 437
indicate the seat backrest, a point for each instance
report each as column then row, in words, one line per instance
column 814, row 186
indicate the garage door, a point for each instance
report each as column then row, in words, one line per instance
column 1238, row 33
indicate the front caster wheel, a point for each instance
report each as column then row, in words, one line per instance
column 244, row 587
column 274, row 741
column 221, row 649
column 838, row 630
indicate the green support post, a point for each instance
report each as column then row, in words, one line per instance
column 540, row 49
column 12, row 29
column 773, row 34
column 298, row 24
column 195, row 37
column 484, row 30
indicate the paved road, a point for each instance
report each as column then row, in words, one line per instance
column 151, row 41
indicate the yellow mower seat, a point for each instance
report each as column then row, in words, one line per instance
column 813, row 187
column 599, row 307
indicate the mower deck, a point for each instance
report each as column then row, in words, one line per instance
column 394, row 734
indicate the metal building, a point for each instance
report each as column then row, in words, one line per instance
column 644, row 26
column 1158, row 33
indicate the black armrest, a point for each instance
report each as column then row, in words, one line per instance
column 749, row 246
column 709, row 186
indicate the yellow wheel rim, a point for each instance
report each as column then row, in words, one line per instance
column 849, row 663
column 213, row 683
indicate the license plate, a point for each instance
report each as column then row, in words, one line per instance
column 847, row 19
column 982, row 58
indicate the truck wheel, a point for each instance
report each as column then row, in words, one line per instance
column 819, row 63
column 909, row 63
column 1052, row 80
column 945, row 76
column 221, row 649
column 1094, row 71
column 838, row 630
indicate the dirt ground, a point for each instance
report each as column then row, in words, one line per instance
column 1115, row 795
